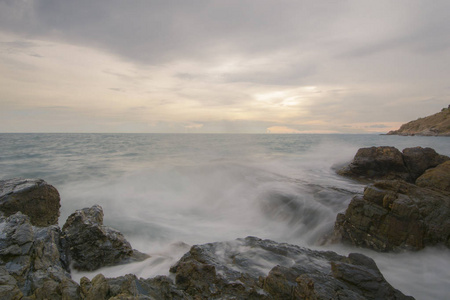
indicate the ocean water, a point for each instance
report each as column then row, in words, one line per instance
column 165, row 192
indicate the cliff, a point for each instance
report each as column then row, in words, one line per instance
column 434, row 125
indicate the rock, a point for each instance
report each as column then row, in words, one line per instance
column 382, row 163
column 252, row 268
column 436, row 178
column 130, row 287
column 418, row 160
column 396, row 215
column 8, row 285
column 33, row 197
column 93, row 245
column 377, row 163
column 32, row 260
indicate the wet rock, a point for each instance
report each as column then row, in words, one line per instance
column 92, row 245
column 377, row 163
column 32, row 260
column 33, row 197
column 396, row 215
column 436, row 178
column 252, row 268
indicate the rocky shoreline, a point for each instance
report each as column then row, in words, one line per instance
column 406, row 206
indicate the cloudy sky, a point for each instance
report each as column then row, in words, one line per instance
column 251, row 66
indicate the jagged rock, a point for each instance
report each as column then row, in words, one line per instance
column 130, row 287
column 32, row 261
column 418, row 160
column 8, row 285
column 377, row 163
column 395, row 215
column 252, row 268
column 33, row 197
column 93, row 245
column 436, row 178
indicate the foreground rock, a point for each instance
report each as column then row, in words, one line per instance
column 33, row 197
column 434, row 125
column 32, row 261
column 93, row 245
column 252, row 268
column 376, row 163
column 395, row 215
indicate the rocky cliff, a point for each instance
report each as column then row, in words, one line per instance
column 434, row 125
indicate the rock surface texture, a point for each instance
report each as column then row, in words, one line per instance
column 33, row 197
column 93, row 245
column 434, row 125
column 396, row 215
column 32, row 261
column 376, row 163
column 436, row 178
column 252, row 268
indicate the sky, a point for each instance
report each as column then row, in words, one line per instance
column 229, row 66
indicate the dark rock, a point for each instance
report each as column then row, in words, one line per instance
column 32, row 261
column 377, row 163
column 395, row 215
column 93, row 245
column 33, row 197
column 130, row 287
column 418, row 160
column 436, row 178
column 252, row 268
column 388, row 163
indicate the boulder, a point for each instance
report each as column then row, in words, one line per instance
column 388, row 163
column 32, row 260
column 396, row 215
column 33, row 197
column 436, row 178
column 377, row 163
column 418, row 160
column 252, row 268
column 92, row 245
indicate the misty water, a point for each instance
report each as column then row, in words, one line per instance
column 165, row 192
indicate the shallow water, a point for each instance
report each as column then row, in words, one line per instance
column 164, row 190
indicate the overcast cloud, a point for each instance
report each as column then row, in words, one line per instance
column 221, row 66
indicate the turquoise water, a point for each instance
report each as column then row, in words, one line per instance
column 163, row 189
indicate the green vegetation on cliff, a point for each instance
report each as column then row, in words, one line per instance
column 434, row 125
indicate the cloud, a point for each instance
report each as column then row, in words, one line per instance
column 233, row 66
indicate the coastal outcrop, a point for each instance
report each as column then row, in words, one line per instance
column 252, row 268
column 382, row 163
column 394, row 214
column 35, row 263
column 33, row 197
column 434, row 125
column 92, row 245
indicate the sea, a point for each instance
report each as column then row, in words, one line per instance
column 166, row 192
